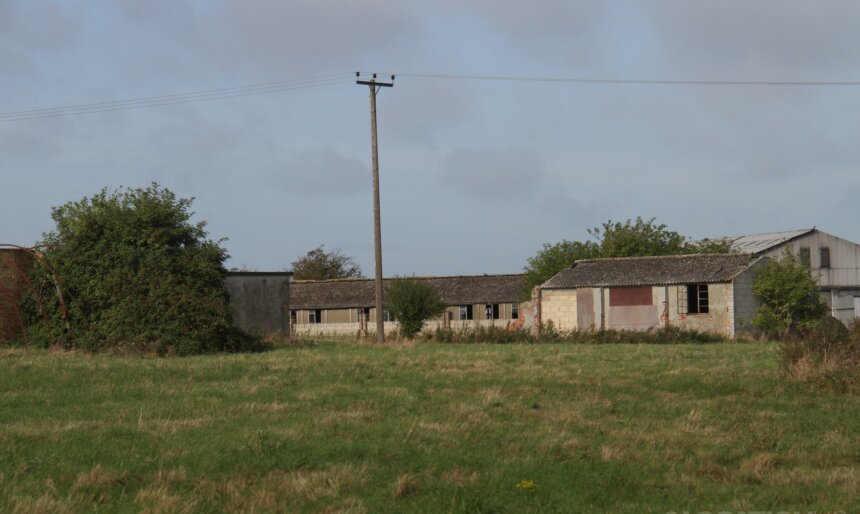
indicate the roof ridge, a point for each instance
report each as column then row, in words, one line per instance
column 673, row 256
column 803, row 230
column 421, row 277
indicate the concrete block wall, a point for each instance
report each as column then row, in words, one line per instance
column 720, row 318
column 559, row 306
column 391, row 327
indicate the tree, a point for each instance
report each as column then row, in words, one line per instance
column 412, row 302
column 631, row 238
column 790, row 301
column 138, row 275
column 638, row 238
column 318, row 264
column 554, row 258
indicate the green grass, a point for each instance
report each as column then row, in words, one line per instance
column 426, row 428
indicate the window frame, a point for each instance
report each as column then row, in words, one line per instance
column 698, row 299
column 465, row 313
column 804, row 255
column 824, row 257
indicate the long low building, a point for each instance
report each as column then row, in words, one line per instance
column 346, row 306
column 708, row 292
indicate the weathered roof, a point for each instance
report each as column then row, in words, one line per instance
column 645, row 271
column 758, row 243
column 455, row 290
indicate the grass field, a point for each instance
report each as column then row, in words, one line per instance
column 336, row 427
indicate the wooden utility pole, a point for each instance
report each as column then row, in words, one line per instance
column 374, row 87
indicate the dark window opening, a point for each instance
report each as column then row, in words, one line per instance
column 515, row 311
column 293, row 317
column 492, row 311
column 465, row 312
column 697, row 299
column 805, row 257
column 824, row 254
column 315, row 316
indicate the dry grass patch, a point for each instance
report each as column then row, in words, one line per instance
column 158, row 499
column 608, row 453
column 45, row 504
column 282, row 491
column 460, row 477
column 758, row 466
column 491, row 396
column 847, row 478
column 351, row 505
column 98, row 477
column 405, row 485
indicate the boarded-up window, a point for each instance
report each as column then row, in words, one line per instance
column 626, row 296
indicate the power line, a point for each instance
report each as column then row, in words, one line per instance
column 343, row 78
column 575, row 80
column 195, row 96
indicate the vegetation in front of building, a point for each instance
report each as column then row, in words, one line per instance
column 631, row 238
column 325, row 427
column 136, row 275
column 814, row 347
column 790, row 300
column 550, row 334
column 412, row 302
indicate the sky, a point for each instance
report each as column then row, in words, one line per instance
column 476, row 175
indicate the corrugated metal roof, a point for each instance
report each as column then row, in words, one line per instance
column 757, row 243
column 645, row 271
column 455, row 290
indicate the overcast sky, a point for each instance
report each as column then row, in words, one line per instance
column 476, row 175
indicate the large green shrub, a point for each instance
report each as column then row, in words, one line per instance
column 412, row 302
column 136, row 275
column 790, row 301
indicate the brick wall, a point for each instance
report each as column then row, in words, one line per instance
column 11, row 285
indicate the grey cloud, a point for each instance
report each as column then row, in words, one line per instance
column 33, row 27
column 765, row 38
column 500, row 174
column 280, row 38
column 322, row 172
column 536, row 20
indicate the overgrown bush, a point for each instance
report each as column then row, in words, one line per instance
column 412, row 302
column 827, row 357
column 790, row 301
column 136, row 275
